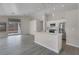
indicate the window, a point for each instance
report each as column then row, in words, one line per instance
column 2, row 27
column 13, row 25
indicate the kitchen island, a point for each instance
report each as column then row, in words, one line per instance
column 49, row 40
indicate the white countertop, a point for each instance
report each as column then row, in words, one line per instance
column 46, row 33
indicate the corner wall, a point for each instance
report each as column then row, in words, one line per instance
column 72, row 28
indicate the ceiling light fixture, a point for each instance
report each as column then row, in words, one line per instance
column 53, row 14
column 39, row 8
column 62, row 5
column 54, row 9
column 12, row 13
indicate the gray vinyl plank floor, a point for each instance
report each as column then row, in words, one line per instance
column 24, row 45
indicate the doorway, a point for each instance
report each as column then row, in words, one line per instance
column 14, row 26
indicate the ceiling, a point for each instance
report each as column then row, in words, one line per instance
column 34, row 8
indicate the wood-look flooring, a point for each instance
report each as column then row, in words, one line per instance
column 24, row 45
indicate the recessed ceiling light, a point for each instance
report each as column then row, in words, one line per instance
column 12, row 13
column 54, row 9
column 53, row 14
column 39, row 8
column 62, row 5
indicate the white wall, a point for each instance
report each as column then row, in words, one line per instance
column 72, row 28
column 33, row 27
column 39, row 26
column 36, row 26
column 25, row 25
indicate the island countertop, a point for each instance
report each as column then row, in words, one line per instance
column 49, row 40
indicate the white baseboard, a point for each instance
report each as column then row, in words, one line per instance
column 47, row 47
column 74, row 45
